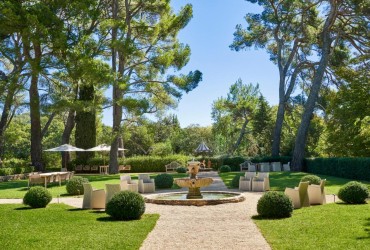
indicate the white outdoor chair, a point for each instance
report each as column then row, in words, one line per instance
column 112, row 189
column 276, row 166
column 252, row 167
column 286, row 167
column 265, row 167
column 261, row 182
column 146, row 185
column 93, row 198
column 316, row 193
column 299, row 195
column 245, row 182
column 128, row 184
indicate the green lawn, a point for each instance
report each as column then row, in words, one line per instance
column 17, row 189
column 280, row 180
column 331, row 226
column 59, row 226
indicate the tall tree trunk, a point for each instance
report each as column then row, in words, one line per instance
column 278, row 129
column 5, row 117
column 301, row 138
column 85, row 134
column 36, row 146
column 241, row 135
column 117, row 95
column 70, row 123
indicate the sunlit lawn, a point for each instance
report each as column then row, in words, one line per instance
column 17, row 189
column 59, row 226
column 280, row 180
column 331, row 226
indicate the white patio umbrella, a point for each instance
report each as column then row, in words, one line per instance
column 103, row 148
column 65, row 148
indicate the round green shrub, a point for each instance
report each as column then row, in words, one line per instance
column 181, row 170
column 224, row 169
column 312, row 179
column 163, row 181
column 235, row 181
column 126, row 205
column 75, row 185
column 275, row 205
column 354, row 193
column 37, row 197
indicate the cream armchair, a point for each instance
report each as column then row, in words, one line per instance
column 261, row 182
column 93, row 198
column 265, row 167
column 276, row 166
column 245, row 182
column 112, row 189
column 299, row 195
column 316, row 193
column 146, row 185
column 128, row 184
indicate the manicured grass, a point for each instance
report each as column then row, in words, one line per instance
column 280, row 180
column 59, row 226
column 17, row 189
column 331, row 226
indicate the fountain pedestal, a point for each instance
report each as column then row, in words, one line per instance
column 194, row 183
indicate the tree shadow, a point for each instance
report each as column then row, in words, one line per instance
column 259, row 217
column 366, row 229
column 107, row 219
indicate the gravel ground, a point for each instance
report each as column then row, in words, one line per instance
column 225, row 226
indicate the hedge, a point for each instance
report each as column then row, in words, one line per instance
column 15, row 166
column 142, row 164
column 350, row 168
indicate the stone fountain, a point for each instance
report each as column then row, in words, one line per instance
column 194, row 183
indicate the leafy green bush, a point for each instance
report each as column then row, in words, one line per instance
column 275, row 205
column 75, row 185
column 350, row 168
column 144, row 164
column 224, row 169
column 163, row 181
column 354, row 193
column 312, row 179
column 235, row 181
column 37, row 197
column 126, row 205
column 181, row 170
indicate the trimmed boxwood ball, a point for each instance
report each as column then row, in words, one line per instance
column 312, row 179
column 75, row 185
column 224, row 169
column 126, row 205
column 181, row 170
column 275, row 205
column 354, row 193
column 37, row 197
column 163, row 181
column 235, row 181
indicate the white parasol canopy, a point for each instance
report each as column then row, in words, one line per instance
column 65, row 148
column 103, row 147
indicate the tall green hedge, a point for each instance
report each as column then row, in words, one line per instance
column 142, row 164
column 351, row 168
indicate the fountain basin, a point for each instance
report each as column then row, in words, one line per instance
column 209, row 198
column 194, row 183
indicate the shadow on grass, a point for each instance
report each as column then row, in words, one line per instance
column 75, row 209
column 366, row 229
column 25, row 208
column 107, row 219
column 259, row 217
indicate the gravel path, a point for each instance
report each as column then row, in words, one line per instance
column 225, row 226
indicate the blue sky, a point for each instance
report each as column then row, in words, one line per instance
column 209, row 35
